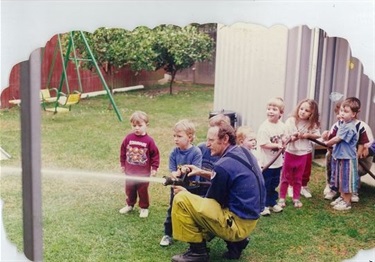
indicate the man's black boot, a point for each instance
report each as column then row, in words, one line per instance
column 235, row 248
column 196, row 253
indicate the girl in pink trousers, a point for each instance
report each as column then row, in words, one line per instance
column 301, row 126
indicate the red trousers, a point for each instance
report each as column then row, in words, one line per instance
column 307, row 172
column 134, row 189
column 293, row 173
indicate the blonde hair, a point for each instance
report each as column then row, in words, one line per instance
column 278, row 102
column 186, row 126
column 243, row 132
column 139, row 116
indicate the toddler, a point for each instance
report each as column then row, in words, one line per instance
column 139, row 156
column 271, row 136
column 344, row 164
column 185, row 153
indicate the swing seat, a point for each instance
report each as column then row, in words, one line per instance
column 45, row 96
column 65, row 102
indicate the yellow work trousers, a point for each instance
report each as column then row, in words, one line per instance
column 195, row 219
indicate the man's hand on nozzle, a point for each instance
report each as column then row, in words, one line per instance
column 194, row 170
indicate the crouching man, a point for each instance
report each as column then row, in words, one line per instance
column 231, row 207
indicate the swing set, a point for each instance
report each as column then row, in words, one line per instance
column 64, row 102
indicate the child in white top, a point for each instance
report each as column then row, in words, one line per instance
column 301, row 126
column 271, row 136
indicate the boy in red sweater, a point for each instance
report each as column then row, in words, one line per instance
column 139, row 156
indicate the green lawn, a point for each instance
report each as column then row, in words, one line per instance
column 83, row 189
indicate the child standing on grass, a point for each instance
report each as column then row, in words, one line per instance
column 185, row 153
column 364, row 136
column 139, row 156
column 344, row 156
column 326, row 135
column 301, row 126
column 270, row 138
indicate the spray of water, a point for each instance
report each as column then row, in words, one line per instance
column 160, row 180
column 79, row 173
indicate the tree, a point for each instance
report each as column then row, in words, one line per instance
column 179, row 48
column 167, row 46
column 139, row 49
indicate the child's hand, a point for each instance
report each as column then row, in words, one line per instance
column 153, row 172
column 184, row 169
column 294, row 137
column 363, row 153
column 176, row 174
column 303, row 135
column 325, row 135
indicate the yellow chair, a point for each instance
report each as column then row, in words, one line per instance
column 45, row 96
column 65, row 102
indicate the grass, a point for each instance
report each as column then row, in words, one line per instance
column 82, row 190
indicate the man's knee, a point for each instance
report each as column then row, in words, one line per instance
column 181, row 196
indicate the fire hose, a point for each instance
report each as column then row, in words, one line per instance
column 184, row 180
column 265, row 167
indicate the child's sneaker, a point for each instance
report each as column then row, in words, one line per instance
column 355, row 198
column 305, row 191
column 276, row 208
column 166, row 241
column 143, row 212
column 297, row 203
column 126, row 209
column 326, row 190
column 342, row 206
column 282, row 202
column 338, row 200
column 330, row 195
column 266, row 211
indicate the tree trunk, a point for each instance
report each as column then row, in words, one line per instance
column 173, row 74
